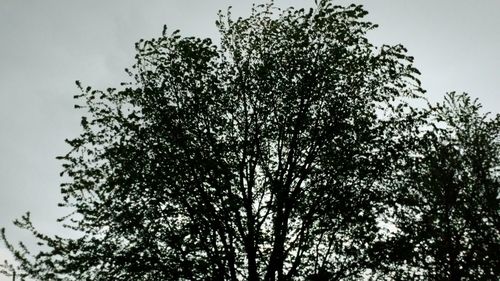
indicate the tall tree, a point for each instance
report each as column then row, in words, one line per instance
column 264, row 158
column 448, row 217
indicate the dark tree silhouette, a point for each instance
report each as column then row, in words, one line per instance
column 448, row 210
column 271, row 156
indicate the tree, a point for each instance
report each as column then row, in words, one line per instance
column 264, row 158
column 448, row 216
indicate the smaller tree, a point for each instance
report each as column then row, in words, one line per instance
column 448, row 213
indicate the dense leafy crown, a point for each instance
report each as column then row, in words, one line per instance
column 274, row 155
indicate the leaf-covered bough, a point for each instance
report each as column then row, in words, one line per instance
column 272, row 155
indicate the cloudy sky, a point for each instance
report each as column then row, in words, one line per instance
column 46, row 45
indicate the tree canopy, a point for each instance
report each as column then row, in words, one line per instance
column 277, row 154
column 447, row 208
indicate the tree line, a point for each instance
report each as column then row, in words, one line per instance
column 291, row 150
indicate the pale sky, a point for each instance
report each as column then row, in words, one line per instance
column 47, row 45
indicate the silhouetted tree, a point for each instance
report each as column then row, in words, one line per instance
column 447, row 215
column 265, row 158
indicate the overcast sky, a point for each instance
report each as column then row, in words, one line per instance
column 47, row 45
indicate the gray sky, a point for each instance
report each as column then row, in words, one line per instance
column 47, row 45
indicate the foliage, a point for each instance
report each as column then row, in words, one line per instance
column 448, row 215
column 272, row 156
